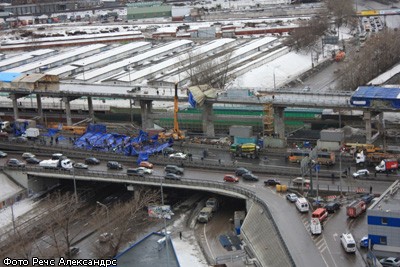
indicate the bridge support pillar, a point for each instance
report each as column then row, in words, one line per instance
column 66, row 101
column 145, row 111
column 39, row 107
column 368, row 129
column 208, row 120
column 279, row 122
column 90, row 107
column 14, row 99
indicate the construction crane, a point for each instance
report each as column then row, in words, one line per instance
column 175, row 133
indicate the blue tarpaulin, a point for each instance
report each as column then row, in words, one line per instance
column 142, row 145
column 192, row 102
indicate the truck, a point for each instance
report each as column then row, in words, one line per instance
column 372, row 158
column 355, row 208
column 205, row 215
column 64, row 164
column 248, row 150
column 387, row 165
column 212, row 203
column 31, row 133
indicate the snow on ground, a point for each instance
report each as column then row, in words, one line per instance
column 281, row 70
column 7, row 188
column 20, row 208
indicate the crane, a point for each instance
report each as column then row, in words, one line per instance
column 176, row 133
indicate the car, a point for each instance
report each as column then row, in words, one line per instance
column 240, row 171
column 231, row 178
column 331, row 207
column 72, row 251
column 92, row 161
column 105, row 237
column 367, row 198
column 272, row 182
column 248, row 176
column 300, row 180
column 146, row 164
column 390, row 261
column 20, row 139
column 172, row 176
column 80, row 165
column 168, row 150
column 15, row 163
column 27, row 155
column 145, row 170
column 114, row 165
column 57, row 156
column 364, row 242
column 178, row 155
column 3, row 154
column 292, row 197
column 32, row 160
column 361, row 173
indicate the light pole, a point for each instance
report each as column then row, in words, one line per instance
column 104, row 206
column 75, row 193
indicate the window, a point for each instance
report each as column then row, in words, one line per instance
column 382, row 240
column 384, row 220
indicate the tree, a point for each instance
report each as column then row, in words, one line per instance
column 342, row 10
column 123, row 223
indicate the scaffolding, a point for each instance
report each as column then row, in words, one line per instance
column 268, row 119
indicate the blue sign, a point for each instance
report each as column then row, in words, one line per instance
column 317, row 167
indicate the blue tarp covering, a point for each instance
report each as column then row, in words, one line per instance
column 142, row 145
column 9, row 76
column 365, row 95
column 19, row 128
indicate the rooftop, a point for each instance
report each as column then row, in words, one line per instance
column 389, row 200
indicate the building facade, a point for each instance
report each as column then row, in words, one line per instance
column 384, row 222
column 143, row 10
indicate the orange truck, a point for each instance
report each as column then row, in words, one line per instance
column 340, row 56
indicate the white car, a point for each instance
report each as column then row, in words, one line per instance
column 178, row 155
column 300, row 180
column 145, row 170
column 360, row 173
column 27, row 155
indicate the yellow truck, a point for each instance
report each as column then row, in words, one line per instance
column 248, row 150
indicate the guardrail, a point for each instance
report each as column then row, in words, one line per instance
column 158, row 179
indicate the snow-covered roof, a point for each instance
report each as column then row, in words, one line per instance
column 384, row 77
column 110, row 53
column 61, row 70
column 57, row 58
column 154, row 52
column 24, row 56
column 253, row 45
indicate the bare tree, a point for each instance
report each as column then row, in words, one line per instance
column 342, row 10
column 123, row 223
column 62, row 227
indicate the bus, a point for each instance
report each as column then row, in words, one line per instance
column 323, row 158
column 369, row 148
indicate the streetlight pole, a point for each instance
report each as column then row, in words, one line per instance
column 104, row 206
column 165, row 224
column 340, row 159
column 75, row 192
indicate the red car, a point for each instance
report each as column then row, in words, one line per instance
column 231, row 178
column 146, row 164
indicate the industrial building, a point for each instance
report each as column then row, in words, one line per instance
column 144, row 10
column 384, row 223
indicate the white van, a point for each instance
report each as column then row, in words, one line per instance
column 302, row 204
column 348, row 242
column 315, row 226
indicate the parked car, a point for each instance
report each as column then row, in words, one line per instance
column 231, row 178
column 240, row 171
column 364, row 242
column 80, row 165
column 146, row 164
column 249, row 176
column 367, row 198
column 172, row 176
column 361, row 173
column 291, row 197
column 3, row 154
column 72, row 251
column 104, row 237
column 27, row 155
column 331, row 207
column 178, row 155
column 92, row 161
column 15, row 163
column 390, row 261
column 272, row 182
column 32, row 160
column 114, row 165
